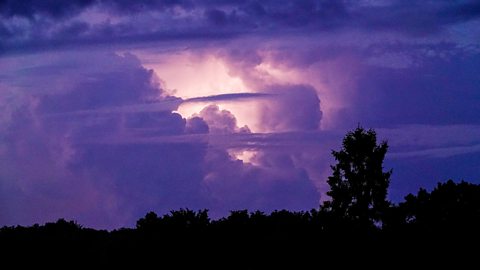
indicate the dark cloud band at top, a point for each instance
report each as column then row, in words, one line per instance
column 28, row 25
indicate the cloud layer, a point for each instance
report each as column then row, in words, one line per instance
column 31, row 26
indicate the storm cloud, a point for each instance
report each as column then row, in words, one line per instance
column 58, row 163
column 110, row 109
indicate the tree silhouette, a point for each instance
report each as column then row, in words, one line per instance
column 177, row 220
column 187, row 219
column 358, row 185
column 150, row 222
column 449, row 205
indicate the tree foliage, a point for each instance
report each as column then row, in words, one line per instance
column 449, row 205
column 358, row 184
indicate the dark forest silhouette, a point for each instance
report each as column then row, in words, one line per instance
column 358, row 220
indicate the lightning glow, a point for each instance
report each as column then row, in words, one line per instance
column 188, row 76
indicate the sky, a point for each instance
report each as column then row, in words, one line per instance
column 110, row 109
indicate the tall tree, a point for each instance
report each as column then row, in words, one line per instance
column 358, row 185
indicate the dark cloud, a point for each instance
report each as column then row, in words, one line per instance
column 313, row 15
column 53, row 8
column 165, row 123
column 412, row 173
column 58, row 9
column 461, row 12
column 210, row 20
column 196, row 125
column 233, row 184
column 216, row 17
column 132, row 6
column 416, row 18
column 74, row 29
column 442, row 90
column 146, row 177
column 128, row 85
column 4, row 32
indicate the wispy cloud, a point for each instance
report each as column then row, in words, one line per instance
column 443, row 152
column 230, row 97
column 167, row 104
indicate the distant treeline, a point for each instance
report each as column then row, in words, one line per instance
column 444, row 222
column 357, row 224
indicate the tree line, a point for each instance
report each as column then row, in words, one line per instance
column 358, row 215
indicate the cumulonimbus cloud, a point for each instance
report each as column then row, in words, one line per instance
column 87, row 161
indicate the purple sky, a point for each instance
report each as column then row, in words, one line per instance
column 110, row 109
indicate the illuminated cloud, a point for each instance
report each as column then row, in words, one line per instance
column 220, row 121
column 82, row 152
column 296, row 108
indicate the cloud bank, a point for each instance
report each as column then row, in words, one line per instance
column 71, row 165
